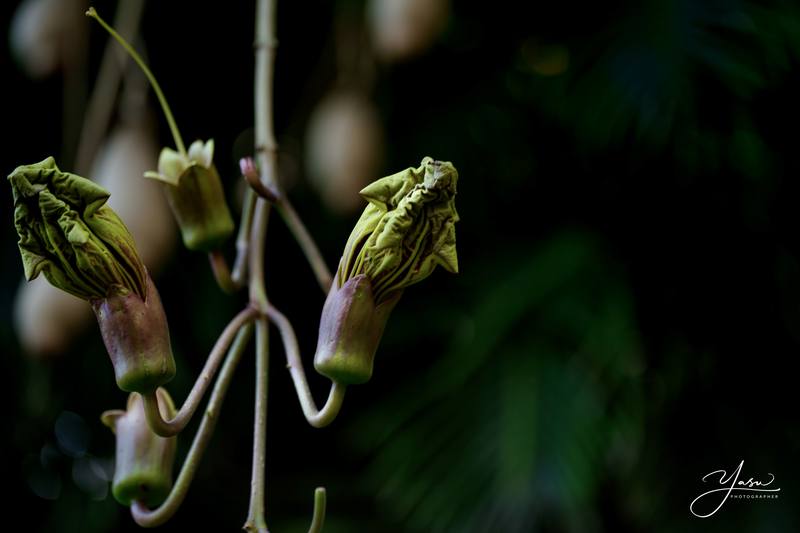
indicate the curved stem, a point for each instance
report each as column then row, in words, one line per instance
column 151, row 518
column 306, row 242
column 251, row 176
column 318, row 520
column 91, row 12
column 255, row 515
column 316, row 417
column 292, row 219
column 168, row 428
column 222, row 274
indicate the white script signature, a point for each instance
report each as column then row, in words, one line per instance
column 729, row 484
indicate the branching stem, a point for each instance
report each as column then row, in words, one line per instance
column 168, row 428
column 152, row 518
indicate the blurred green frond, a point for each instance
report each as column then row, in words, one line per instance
column 522, row 418
column 667, row 73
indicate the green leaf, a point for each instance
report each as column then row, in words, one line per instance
column 527, row 412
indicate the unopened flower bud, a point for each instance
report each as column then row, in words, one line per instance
column 195, row 194
column 406, row 230
column 144, row 460
column 68, row 233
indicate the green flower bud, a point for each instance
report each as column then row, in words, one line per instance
column 67, row 233
column 195, row 194
column 143, row 469
column 81, row 246
column 406, row 230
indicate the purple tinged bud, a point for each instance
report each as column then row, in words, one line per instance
column 350, row 330
column 136, row 336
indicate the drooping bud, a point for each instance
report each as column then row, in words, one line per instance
column 194, row 191
column 406, row 230
column 81, row 246
column 144, row 460
column 344, row 148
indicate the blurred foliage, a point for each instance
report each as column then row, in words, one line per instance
column 625, row 319
column 537, row 398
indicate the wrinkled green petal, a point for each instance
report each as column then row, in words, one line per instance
column 67, row 233
column 406, row 230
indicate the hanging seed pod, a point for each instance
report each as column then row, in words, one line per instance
column 407, row 229
column 67, row 233
column 401, row 29
column 44, row 34
column 144, row 460
column 344, row 149
column 46, row 319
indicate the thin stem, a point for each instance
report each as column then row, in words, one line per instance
column 251, row 176
column 151, row 518
column 306, row 242
column 222, row 274
column 258, row 292
column 168, row 428
column 293, row 221
column 265, row 137
column 318, row 519
column 255, row 515
column 227, row 281
column 243, row 239
column 153, row 82
column 316, row 417
column 101, row 103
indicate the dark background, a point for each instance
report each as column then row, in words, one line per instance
column 626, row 315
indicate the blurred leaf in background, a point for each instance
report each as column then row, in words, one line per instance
column 535, row 401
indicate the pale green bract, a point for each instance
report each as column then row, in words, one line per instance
column 406, row 230
column 195, row 194
column 172, row 166
column 67, row 233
